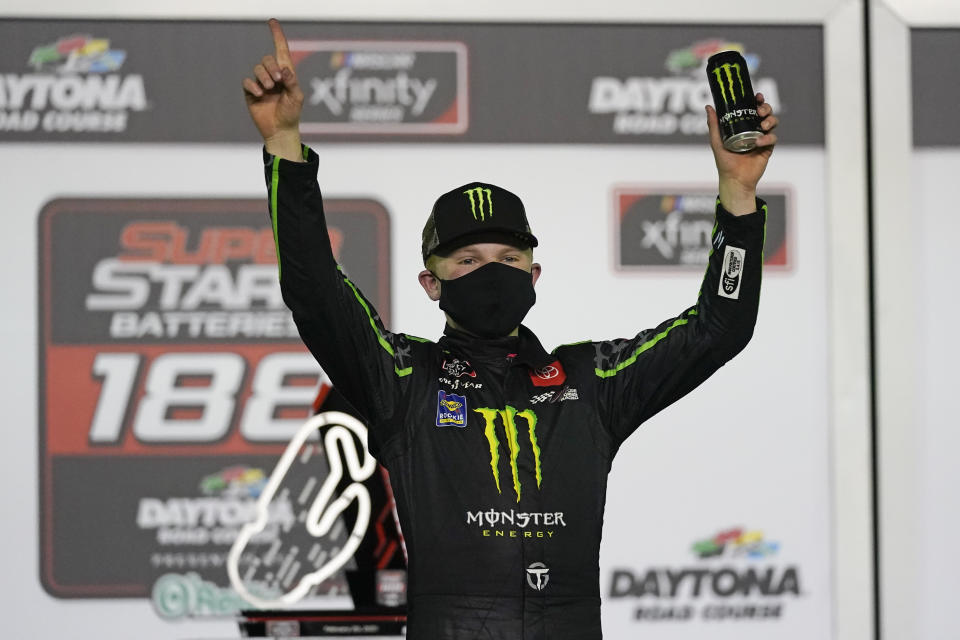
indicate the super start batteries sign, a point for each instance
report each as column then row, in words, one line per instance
column 171, row 379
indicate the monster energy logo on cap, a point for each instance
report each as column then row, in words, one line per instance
column 508, row 416
column 465, row 215
column 480, row 192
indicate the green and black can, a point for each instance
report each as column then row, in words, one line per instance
column 734, row 100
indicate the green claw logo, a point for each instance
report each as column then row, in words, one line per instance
column 509, row 417
column 728, row 68
column 478, row 203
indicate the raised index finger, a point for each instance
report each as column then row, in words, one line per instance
column 282, row 51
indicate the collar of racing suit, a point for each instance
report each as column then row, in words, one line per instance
column 524, row 348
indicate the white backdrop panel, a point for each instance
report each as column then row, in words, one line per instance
column 749, row 448
column 934, row 172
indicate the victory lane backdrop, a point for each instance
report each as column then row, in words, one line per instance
column 168, row 366
column 171, row 379
column 118, row 81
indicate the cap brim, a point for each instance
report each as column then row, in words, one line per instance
column 511, row 237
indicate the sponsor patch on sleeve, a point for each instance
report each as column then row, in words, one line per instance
column 451, row 409
column 732, row 272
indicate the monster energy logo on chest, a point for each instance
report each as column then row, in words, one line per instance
column 509, row 417
column 480, row 196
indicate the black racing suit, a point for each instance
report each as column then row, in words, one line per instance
column 498, row 451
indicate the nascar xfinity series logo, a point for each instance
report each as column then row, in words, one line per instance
column 75, row 86
column 666, row 105
column 377, row 87
column 674, row 228
column 736, row 575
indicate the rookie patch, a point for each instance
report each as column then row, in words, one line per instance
column 732, row 272
column 451, row 409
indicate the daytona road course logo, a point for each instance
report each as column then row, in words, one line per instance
column 668, row 105
column 735, row 576
column 75, row 86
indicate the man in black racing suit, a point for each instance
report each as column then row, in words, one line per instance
column 498, row 451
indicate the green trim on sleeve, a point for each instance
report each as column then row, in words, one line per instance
column 274, row 181
column 383, row 343
column 649, row 344
column 569, row 344
column 416, row 339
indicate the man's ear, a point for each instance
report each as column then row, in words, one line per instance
column 535, row 271
column 430, row 284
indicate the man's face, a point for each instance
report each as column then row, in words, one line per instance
column 473, row 256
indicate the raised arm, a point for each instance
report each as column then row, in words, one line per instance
column 640, row 376
column 341, row 328
column 739, row 173
column 274, row 99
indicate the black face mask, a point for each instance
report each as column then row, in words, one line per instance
column 490, row 301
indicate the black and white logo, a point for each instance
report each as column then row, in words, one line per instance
column 732, row 271
column 538, row 576
column 566, row 393
column 548, row 372
column 457, row 368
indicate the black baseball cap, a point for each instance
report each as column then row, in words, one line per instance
column 475, row 212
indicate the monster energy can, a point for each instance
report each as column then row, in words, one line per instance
column 734, row 100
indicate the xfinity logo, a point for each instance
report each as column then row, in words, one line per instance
column 538, row 576
column 675, row 227
column 343, row 90
column 381, row 86
column 675, row 232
